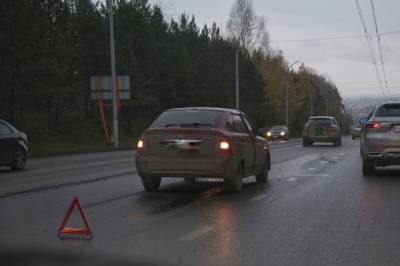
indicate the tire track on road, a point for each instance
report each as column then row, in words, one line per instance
column 93, row 180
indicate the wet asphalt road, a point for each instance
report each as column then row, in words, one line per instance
column 317, row 209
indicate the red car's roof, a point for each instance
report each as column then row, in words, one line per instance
column 207, row 109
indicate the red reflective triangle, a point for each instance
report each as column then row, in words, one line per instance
column 63, row 229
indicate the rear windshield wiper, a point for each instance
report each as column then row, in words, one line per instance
column 196, row 124
column 172, row 125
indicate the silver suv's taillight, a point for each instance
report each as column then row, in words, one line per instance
column 373, row 124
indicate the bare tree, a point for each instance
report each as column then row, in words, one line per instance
column 246, row 27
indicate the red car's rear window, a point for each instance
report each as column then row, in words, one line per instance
column 182, row 118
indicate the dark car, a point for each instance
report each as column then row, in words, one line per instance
column 202, row 142
column 356, row 132
column 278, row 132
column 13, row 146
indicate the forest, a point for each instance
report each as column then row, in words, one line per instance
column 50, row 48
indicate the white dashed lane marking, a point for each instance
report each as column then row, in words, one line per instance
column 259, row 197
column 197, row 233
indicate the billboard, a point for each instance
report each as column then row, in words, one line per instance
column 101, row 88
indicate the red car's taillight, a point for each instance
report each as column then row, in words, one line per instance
column 306, row 130
column 141, row 144
column 372, row 124
column 223, row 146
column 332, row 129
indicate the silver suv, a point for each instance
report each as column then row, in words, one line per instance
column 380, row 137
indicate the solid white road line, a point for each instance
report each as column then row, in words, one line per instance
column 316, row 175
column 83, row 165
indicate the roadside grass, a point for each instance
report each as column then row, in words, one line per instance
column 74, row 133
column 75, row 138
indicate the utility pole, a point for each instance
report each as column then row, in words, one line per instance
column 237, row 80
column 287, row 100
column 311, row 102
column 313, row 86
column 113, row 77
column 287, row 92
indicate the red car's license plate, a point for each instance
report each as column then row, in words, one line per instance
column 396, row 128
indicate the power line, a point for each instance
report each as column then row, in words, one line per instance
column 364, row 81
column 390, row 32
column 334, row 38
column 379, row 43
column 366, row 87
column 371, row 49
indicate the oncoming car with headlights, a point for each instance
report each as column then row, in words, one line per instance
column 202, row 142
column 278, row 132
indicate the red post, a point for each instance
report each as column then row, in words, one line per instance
column 101, row 108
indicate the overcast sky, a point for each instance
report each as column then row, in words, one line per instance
column 347, row 62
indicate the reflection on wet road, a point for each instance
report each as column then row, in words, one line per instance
column 316, row 209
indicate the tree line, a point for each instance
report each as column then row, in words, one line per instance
column 50, row 48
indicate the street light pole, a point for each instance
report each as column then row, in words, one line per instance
column 113, row 77
column 237, row 80
column 287, row 92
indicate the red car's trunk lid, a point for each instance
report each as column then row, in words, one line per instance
column 181, row 141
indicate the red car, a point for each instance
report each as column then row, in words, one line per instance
column 202, row 142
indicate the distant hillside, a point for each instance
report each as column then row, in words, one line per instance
column 360, row 106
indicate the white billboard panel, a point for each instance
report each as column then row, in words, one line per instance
column 101, row 88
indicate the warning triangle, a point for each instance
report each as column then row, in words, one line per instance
column 63, row 229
